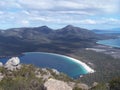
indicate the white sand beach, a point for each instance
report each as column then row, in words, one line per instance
column 86, row 67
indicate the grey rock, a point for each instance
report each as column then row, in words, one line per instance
column 72, row 84
column 95, row 84
column 13, row 61
column 53, row 84
column 47, row 74
column 56, row 71
column 13, row 64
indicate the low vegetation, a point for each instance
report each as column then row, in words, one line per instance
column 23, row 79
column 106, row 67
column 115, row 84
column 26, row 79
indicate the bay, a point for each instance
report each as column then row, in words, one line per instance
column 54, row 61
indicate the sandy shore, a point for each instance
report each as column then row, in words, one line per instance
column 86, row 67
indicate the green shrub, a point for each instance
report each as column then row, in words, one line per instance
column 115, row 84
column 76, row 88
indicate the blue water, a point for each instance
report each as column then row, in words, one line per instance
column 110, row 42
column 107, row 32
column 61, row 63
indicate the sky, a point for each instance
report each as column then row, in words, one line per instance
column 90, row 14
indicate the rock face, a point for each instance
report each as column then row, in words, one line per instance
column 13, row 64
column 53, row 84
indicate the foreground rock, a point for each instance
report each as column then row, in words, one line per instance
column 53, row 84
column 13, row 64
column 82, row 86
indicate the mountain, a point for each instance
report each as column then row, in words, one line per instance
column 28, row 34
column 46, row 31
column 74, row 30
column 23, row 31
column 75, row 33
column 17, row 40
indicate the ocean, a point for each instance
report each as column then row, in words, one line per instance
column 110, row 42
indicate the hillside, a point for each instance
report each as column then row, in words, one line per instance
column 64, row 40
column 16, row 76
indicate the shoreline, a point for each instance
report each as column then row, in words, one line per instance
column 84, row 65
column 102, row 42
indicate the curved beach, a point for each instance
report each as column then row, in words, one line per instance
column 86, row 67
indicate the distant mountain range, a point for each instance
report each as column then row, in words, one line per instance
column 44, row 31
column 64, row 40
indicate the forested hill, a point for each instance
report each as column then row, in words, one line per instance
column 64, row 40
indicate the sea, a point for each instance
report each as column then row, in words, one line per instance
column 110, row 42
column 53, row 61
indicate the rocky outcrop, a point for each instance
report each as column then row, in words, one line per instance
column 13, row 64
column 53, row 84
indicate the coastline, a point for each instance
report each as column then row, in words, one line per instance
column 89, row 70
column 84, row 65
column 109, row 42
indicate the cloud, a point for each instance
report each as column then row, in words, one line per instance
column 57, row 12
column 36, row 4
column 1, row 12
column 25, row 22
column 107, row 6
column 9, row 5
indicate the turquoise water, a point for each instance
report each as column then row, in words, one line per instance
column 110, row 42
column 61, row 63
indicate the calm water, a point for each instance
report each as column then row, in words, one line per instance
column 62, row 64
column 110, row 42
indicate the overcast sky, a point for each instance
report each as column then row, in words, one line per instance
column 91, row 14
